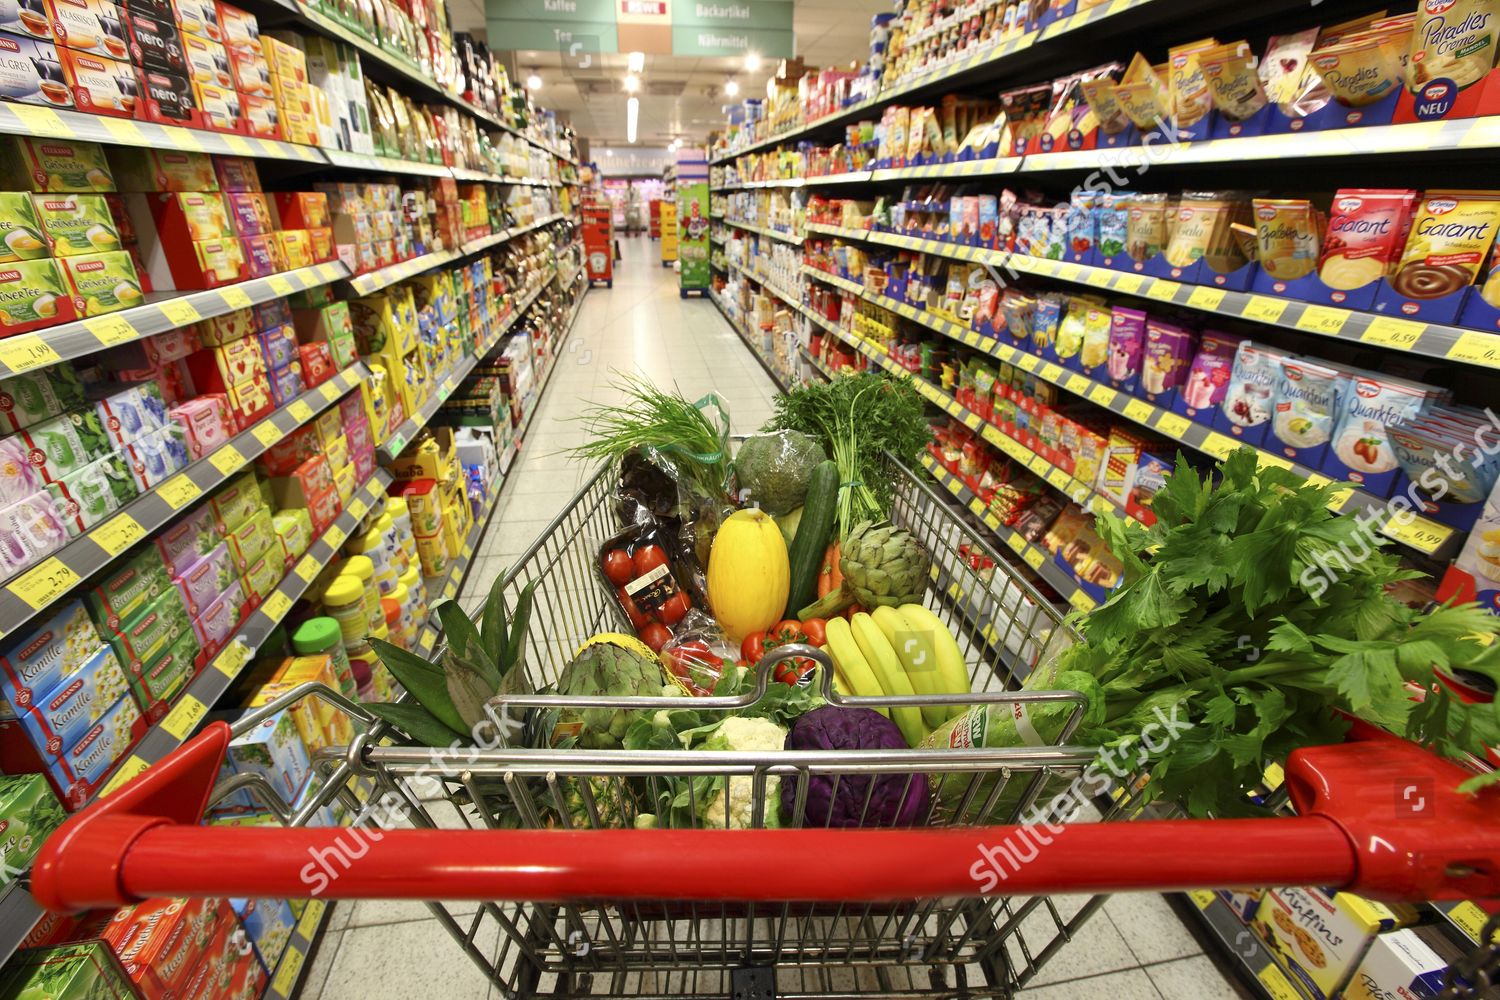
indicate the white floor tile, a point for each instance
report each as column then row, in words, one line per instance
column 1193, row 978
column 1150, row 927
column 1131, row 985
column 413, row 960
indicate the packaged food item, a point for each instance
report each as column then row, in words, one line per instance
column 32, row 397
column 1450, row 239
column 151, row 630
column 1168, row 352
column 1368, row 406
column 1246, row 407
column 101, row 85
column 164, row 170
column 1146, row 226
column 57, row 719
column 1366, row 230
column 157, row 941
column 1286, row 232
column 168, row 98
column 1306, row 407
column 93, row 26
column 294, row 528
column 1143, row 96
column 125, row 591
column 79, row 771
column 53, row 165
column 269, row 922
column 87, row 496
column 159, row 681
column 201, row 583
column 1208, row 375
column 1452, row 40
column 251, row 539
column 273, row 750
column 1362, row 70
column 65, row 444
column 131, row 412
column 187, row 541
column 155, row 43
column 29, row 812
column 30, row 529
column 207, row 61
column 74, row 971
column 1202, row 228
column 215, row 625
column 43, row 658
column 1284, row 65
column 75, row 223
column 205, row 423
column 29, row 20
column 30, row 70
column 1233, row 81
column 33, row 294
column 236, row 502
column 21, row 235
column 1186, row 85
column 1127, row 342
column 1321, row 937
column 191, row 215
column 103, row 282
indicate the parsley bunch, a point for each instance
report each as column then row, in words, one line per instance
column 1228, row 618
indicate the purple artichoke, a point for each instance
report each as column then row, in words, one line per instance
column 897, row 799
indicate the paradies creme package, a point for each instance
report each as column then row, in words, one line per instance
column 1453, row 44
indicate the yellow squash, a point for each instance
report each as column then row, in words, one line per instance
column 748, row 574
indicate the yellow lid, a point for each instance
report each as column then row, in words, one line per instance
column 396, row 506
column 360, row 566
column 384, row 523
column 398, row 594
column 344, row 591
column 412, row 577
column 381, row 633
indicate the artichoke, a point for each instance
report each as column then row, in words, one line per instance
column 608, row 665
column 882, row 565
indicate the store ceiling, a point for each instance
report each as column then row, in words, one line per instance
column 680, row 97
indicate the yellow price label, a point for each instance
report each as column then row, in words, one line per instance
column 1028, row 361
column 308, row 568
column 111, row 330
column 1418, row 532
column 1078, row 384
column 266, row 433
column 1033, row 557
column 227, row 460
column 1391, row 332
column 43, row 583
column 1469, row 918
column 237, row 297
column 972, row 421
column 179, row 312
column 1475, row 348
column 329, row 391
column 1264, row 459
column 288, row 971
column 311, row 918
column 1339, row 498
column 1220, row 446
column 328, row 272
column 1015, row 541
column 1059, row 479
column 1264, row 310
column 118, row 534
column 1173, row 424
column 185, row 139
column 451, row 590
column 27, row 351
column 125, row 131
column 179, row 491
column 1204, row 297
column 232, row 658
column 1277, row 985
column 1069, row 271
column 300, row 411
column 976, row 506
column 1129, row 283
column 1102, row 394
column 1098, row 278
column 1051, row 372
column 335, row 536
column 971, row 338
column 1139, row 410
column 276, row 606
column 238, row 145
column 1202, row 898
column 1082, row 601
column 184, row 717
column 280, row 285
column 40, row 121
column 1162, row 290
column 1322, row 319
column 127, row 771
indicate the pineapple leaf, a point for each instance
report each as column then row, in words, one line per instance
column 415, row 721
column 522, row 620
column 469, row 689
column 493, row 623
column 426, row 682
column 463, row 639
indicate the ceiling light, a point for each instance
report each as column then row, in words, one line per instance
column 609, row 152
column 752, row 62
column 632, row 83
column 732, row 88
column 632, row 113
column 635, row 62
column 534, row 82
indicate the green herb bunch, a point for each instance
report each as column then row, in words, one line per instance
column 1229, row 616
column 664, row 424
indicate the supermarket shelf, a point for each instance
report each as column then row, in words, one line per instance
column 19, row 912
column 795, row 241
column 1424, row 535
column 783, row 182
column 1038, row 558
column 388, row 164
column 32, row 591
column 165, row 311
column 27, row 119
column 289, row 970
column 795, row 301
column 373, row 281
column 1240, row 945
column 1436, row 340
column 744, row 335
column 393, row 445
column 505, row 236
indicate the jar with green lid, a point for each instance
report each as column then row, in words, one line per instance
column 364, row 569
column 344, row 602
column 386, row 525
column 371, row 545
column 324, row 635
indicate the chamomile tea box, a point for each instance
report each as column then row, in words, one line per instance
column 40, row 660
column 61, row 717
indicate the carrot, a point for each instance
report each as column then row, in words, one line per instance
column 830, row 578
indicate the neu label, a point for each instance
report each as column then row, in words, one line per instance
column 1437, row 100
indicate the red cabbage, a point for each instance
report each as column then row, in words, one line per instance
column 897, row 799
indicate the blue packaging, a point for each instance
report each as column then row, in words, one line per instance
column 60, row 717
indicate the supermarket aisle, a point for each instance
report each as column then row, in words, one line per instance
column 1136, row 949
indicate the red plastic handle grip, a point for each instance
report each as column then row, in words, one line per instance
column 1379, row 816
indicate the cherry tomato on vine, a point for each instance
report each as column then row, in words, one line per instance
column 816, row 630
column 753, row 647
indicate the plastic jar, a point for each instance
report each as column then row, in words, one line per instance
column 412, row 581
column 362, row 663
column 322, row 635
column 392, row 611
column 407, row 627
column 372, row 546
column 362, row 568
column 406, row 538
column 385, row 525
column 344, row 602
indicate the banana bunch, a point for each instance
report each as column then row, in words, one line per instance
column 899, row 652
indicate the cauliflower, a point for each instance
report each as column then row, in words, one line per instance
column 736, row 799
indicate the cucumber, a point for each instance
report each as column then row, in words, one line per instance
column 813, row 530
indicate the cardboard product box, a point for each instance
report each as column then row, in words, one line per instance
column 213, row 263
column 236, row 503
column 207, row 61
column 294, row 528
column 283, row 457
column 101, row 85
column 317, row 364
column 318, row 669
column 86, row 497
column 31, row 70
column 321, row 241
column 1401, row 965
column 155, row 43
column 34, row 294
column 151, row 630
column 206, row 579
column 73, row 971
column 1319, row 937
column 80, row 770
column 158, row 941
column 262, row 256
column 302, row 209
column 262, row 576
column 323, row 508
column 53, row 165
column 158, row 683
column 225, row 329
column 270, row 923
column 274, row 750
column 236, row 173
column 29, row 812
column 103, row 282
column 191, row 216
column 220, row 107
column 250, row 402
column 163, row 170
column 330, row 324
column 167, row 98
column 93, row 26
column 199, row 17
column 47, row 656
column 249, row 213
column 153, row 457
column 65, row 444
column 286, row 383
column 216, row 965
column 297, row 488
column 124, row 592
column 187, row 541
column 251, row 540
column 59, row 718
column 216, row 625
column 239, row 27
column 21, row 234
column 216, row 369
column 75, row 224
column 262, row 119
column 252, row 74
column 26, row 21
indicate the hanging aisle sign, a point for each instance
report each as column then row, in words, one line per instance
column 581, row 29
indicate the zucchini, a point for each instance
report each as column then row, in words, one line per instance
column 805, row 557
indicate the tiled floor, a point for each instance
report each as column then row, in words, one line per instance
column 1136, row 949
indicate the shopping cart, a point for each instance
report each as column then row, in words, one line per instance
column 574, row 902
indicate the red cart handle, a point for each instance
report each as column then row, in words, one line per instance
column 1380, row 816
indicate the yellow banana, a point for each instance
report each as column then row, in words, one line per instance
column 851, row 664
column 913, row 648
column 882, row 659
column 953, row 675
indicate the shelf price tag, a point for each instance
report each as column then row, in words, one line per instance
column 288, row 971
column 1078, row 384
column 1098, row 278
column 311, row 917
column 237, row 297
column 40, row 121
column 227, row 460
column 125, row 131
column 1263, row 309
column 232, row 658
column 266, row 432
column 1277, row 985
column 1322, row 319
column 307, row 568
column 1204, row 297
column 1173, row 424
column 111, row 330
column 329, row 391
column 1475, row 348
column 1102, row 394
column 1139, row 410
column 1219, row 446
column 44, row 583
column 1162, row 290
column 1264, row 459
column 1082, row 601
column 26, row 351
column 1202, row 898
column 300, row 411
column 1058, row 478
column 1420, row 533
column 1129, row 283
column 179, row 491
column 179, row 312
column 127, row 771
column 118, row 534
column 1051, row 372
column 280, row 285
column 1469, row 918
column 1391, row 332
column 276, row 606
column 1337, row 500
column 184, row 717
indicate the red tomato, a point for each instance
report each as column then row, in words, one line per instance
column 618, row 567
column 816, row 630
column 637, row 618
column 647, row 558
column 789, row 672
column 655, row 635
column 753, row 647
column 786, row 630
column 676, row 606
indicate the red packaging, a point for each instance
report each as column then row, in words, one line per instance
column 261, row 118
column 283, row 457
column 168, row 99
column 317, row 363
column 252, row 75
column 214, row 958
column 101, row 85
column 302, row 209
column 298, row 487
column 237, row 173
column 250, row 402
column 158, row 941
column 323, row 509
column 238, row 27
column 322, row 245
column 214, row 369
column 220, row 107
